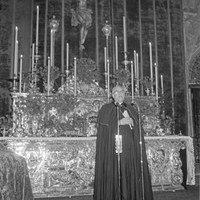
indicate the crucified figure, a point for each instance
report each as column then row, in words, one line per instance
column 82, row 16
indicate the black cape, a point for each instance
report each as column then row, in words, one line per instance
column 106, row 182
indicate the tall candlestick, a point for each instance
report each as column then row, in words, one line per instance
column 16, row 61
column 116, row 52
column 162, row 87
column 108, row 70
column 67, row 62
column 132, row 81
column 135, row 64
column 150, row 56
column 105, row 59
column 125, row 41
column 16, row 53
column 33, row 60
column 20, row 74
column 156, row 75
column 67, row 57
column 37, row 29
column 48, row 76
column 52, row 48
column 151, row 68
column 75, row 75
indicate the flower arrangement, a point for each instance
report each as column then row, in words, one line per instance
column 166, row 124
column 87, row 70
column 43, row 75
column 122, row 77
column 38, row 104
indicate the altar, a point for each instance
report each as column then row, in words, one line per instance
column 56, row 134
column 65, row 166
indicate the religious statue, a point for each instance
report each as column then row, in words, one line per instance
column 82, row 16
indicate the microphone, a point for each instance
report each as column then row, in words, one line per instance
column 117, row 104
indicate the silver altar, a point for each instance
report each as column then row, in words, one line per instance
column 64, row 166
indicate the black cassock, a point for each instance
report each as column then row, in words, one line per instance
column 106, row 183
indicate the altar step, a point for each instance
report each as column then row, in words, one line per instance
column 191, row 193
column 88, row 197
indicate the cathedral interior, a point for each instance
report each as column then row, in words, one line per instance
column 158, row 39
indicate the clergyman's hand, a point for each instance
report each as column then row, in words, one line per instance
column 126, row 121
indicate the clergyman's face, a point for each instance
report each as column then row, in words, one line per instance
column 118, row 94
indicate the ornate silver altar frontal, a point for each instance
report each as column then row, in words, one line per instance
column 65, row 166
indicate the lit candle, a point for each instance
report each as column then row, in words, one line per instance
column 162, row 87
column 116, row 52
column 37, row 29
column 20, row 74
column 125, row 40
column 75, row 74
column 108, row 64
column 132, row 81
column 16, row 53
column 48, row 76
column 156, row 75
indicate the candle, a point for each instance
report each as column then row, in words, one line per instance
column 67, row 62
column 116, row 52
column 125, row 41
column 20, row 74
column 67, row 56
column 151, row 67
column 150, row 56
column 137, row 73
column 16, row 53
column 156, row 75
column 48, row 75
column 51, row 49
column 75, row 74
column 37, row 29
column 132, row 81
column 16, row 61
column 105, row 59
column 32, row 62
column 135, row 64
column 162, row 87
column 108, row 64
column 24, row 87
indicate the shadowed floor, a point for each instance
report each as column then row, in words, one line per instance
column 190, row 193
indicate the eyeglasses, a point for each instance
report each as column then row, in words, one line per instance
column 119, row 91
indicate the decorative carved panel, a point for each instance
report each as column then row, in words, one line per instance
column 65, row 166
